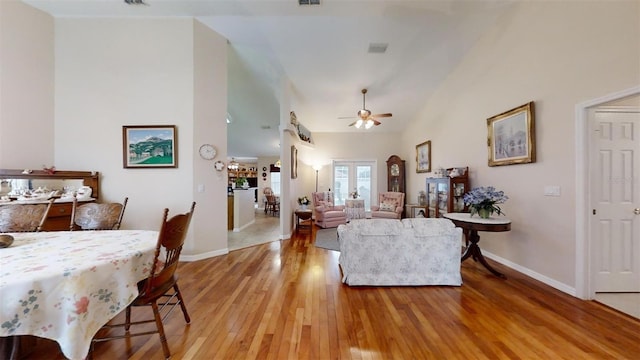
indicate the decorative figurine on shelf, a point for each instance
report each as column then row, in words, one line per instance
column 49, row 170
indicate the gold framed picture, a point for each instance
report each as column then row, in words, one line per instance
column 511, row 136
column 423, row 157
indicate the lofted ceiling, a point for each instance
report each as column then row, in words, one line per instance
column 322, row 51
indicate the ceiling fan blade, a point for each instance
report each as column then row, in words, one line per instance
column 382, row 115
column 348, row 117
column 376, row 122
column 353, row 123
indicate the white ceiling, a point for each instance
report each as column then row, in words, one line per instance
column 322, row 51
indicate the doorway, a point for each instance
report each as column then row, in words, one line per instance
column 607, row 184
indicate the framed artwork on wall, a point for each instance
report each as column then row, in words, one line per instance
column 423, row 157
column 146, row 146
column 294, row 162
column 511, row 136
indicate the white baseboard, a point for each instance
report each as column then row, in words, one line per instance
column 210, row 254
column 542, row 278
column 244, row 226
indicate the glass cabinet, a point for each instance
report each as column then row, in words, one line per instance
column 444, row 194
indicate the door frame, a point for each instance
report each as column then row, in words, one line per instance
column 584, row 286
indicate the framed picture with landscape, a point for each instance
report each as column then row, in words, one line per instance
column 423, row 157
column 149, row 146
column 511, row 138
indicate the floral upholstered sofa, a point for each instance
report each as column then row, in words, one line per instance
column 387, row 252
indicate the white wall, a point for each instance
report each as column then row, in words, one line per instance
column 26, row 87
column 556, row 54
column 114, row 72
column 210, row 104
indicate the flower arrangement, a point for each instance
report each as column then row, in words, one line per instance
column 303, row 200
column 354, row 194
column 483, row 201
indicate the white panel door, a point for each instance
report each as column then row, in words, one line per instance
column 615, row 199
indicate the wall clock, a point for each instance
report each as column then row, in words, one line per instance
column 219, row 165
column 207, row 152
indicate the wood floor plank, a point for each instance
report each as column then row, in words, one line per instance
column 285, row 300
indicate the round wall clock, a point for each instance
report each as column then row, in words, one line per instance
column 219, row 165
column 207, row 152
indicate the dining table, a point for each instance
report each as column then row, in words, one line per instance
column 65, row 285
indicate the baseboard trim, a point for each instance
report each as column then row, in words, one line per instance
column 210, row 254
column 542, row 278
column 245, row 226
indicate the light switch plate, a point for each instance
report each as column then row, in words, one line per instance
column 552, row 190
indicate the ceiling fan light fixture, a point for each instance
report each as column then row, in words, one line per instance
column 364, row 114
column 359, row 123
column 233, row 165
column 368, row 124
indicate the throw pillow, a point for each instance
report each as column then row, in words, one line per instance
column 385, row 206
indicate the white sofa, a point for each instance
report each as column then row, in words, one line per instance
column 386, row 252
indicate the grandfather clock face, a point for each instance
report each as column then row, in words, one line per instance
column 395, row 170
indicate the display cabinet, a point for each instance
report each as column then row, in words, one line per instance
column 445, row 194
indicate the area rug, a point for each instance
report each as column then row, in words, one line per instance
column 327, row 239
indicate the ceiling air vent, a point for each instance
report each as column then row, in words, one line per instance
column 378, row 48
column 309, row 2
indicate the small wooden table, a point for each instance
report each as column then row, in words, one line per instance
column 303, row 216
column 471, row 226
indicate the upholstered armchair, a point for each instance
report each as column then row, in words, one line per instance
column 327, row 214
column 390, row 206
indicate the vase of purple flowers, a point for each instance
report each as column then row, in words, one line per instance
column 484, row 201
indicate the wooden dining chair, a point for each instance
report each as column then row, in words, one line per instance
column 94, row 216
column 160, row 290
column 273, row 205
column 24, row 217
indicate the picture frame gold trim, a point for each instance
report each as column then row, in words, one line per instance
column 511, row 136
column 423, row 157
column 140, row 153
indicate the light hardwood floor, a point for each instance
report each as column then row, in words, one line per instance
column 284, row 300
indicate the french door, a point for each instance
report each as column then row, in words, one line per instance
column 350, row 176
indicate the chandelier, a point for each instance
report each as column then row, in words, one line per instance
column 233, row 165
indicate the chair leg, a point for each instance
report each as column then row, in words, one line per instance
column 182, row 305
column 127, row 322
column 163, row 338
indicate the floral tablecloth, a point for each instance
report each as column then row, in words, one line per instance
column 65, row 285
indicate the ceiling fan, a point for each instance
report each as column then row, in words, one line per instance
column 365, row 117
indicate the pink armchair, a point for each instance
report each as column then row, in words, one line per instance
column 327, row 214
column 390, row 206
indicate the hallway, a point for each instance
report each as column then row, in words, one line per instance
column 264, row 230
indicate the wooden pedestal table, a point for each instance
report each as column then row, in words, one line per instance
column 471, row 226
column 303, row 218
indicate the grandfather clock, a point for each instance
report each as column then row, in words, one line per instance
column 395, row 174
